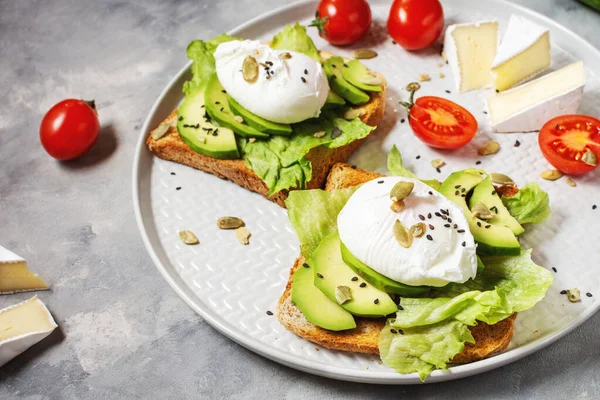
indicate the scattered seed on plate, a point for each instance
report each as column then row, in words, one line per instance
column 229, row 222
column 438, row 163
column 188, row 237
column 563, row 292
column 573, row 295
column 491, row 147
column 554, row 269
column 551, row 175
column 570, row 182
column 380, row 182
column 424, row 77
column 447, row 91
column 477, row 162
column 517, row 143
column 172, row 173
column 402, row 121
column 363, row 54
column 178, row 188
column 588, row 294
column 243, row 235
column 594, row 207
column 442, row 76
column 269, row 312
column 418, row 157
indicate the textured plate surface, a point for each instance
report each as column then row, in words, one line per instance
column 232, row 286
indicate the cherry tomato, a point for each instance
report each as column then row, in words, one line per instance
column 415, row 24
column 69, row 129
column 571, row 143
column 342, row 21
column 441, row 123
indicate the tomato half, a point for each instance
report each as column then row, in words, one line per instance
column 342, row 22
column 69, row 129
column 442, row 123
column 415, row 24
column 571, row 143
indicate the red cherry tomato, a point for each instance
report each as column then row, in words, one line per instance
column 69, row 129
column 571, row 143
column 415, row 24
column 342, row 21
column 442, row 123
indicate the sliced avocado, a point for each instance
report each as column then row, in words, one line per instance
column 434, row 183
column 198, row 133
column 492, row 240
column 218, row 109
column 334, row 99
column 334, row 69
column 360, row 76
column 486, row 193
column 257, row 122
column 331, row 272
column 376, row 279
column 316, row 307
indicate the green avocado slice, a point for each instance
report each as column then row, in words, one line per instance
column 218, row 109
column 359, row 75
column 202, row 136
column 334, row 69
column 486, row 193
column 257, row 122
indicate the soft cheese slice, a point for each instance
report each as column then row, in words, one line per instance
column 22, row 326
column 527, row 107
column 15, row 276
column 524, row 53
column 470, row 50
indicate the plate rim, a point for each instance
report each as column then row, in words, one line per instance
column 278, row 355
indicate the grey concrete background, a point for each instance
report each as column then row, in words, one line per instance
column 124, row 333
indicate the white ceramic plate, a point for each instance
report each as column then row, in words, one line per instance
column 232, row 286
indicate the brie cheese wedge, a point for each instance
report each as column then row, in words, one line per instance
column 22, row 326
column 524, row 53
column 15, row 276
column 470, row 50
column 528, row 107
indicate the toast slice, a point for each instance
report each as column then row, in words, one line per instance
column 489, row 339
column 170, row 147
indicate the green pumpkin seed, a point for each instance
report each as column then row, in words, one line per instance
column 160, row 131
column 343, row 294
column 371, row 79
column 250, row 69
column 352, row 113
column 243, row 235
column 574, row 295
column 401, row 190
column 286, row 55
column 551, row 175
column 397, row 206
column 589, row 157
column 229, row 223
column 501, row 179
column 489, row 148
column 418, row 230
column 188, row 237
column 570, row 182
column 402, row 235
column 364, row 54
column 481, row 211
column 438, row 163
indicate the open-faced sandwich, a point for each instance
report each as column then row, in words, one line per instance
column 422, row 273
column 270, row 117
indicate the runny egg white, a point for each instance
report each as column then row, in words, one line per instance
column 446, row 253
column 287, row 90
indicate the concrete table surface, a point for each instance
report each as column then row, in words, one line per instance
column 124, row 333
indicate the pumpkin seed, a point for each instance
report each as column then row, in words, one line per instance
column 343, row 294
column 424, row 78
column 371, row 79
column 402, row 235
column 286, row 55
column 250, row 69
column 243, row 235
column 418, row 230
column 551, row 175
column 364, row 54
column 570, row 182
column 352, row 113
column 589, row 157
column 401, row 190
column 188, row 237
column 481, row 211
column 397, row 206
column 160, row 131
column 413, row 87
column 251, row 140
column 573, row 295
column 442, row 75
column 438, row 163
column 491, row 147
column 501, row 179
column 239, row 119
column 229, row 223
column 319, row 134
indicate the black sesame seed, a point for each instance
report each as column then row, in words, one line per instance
column 477, row 162
column 402, row 121
column 554, row 269
column 269, row 313
column 379, row 181
column 421, row 217
column 464, row 244
column 319, row 275
column 563, row 292
column 463, row 190
column 556, row 127
column 438, row 170
column 444, row 218
column 418, row 157
column 461, row 231
column 594, row 207
column 197, row 126
column 178, row 188
column 393, row 331
column 447, row 225
column 223, row 91
column 463, row 195
column 345, row 65
column 430, row 193
column 181, row 118
column 335, row 132
column 456, row 193
column 429, row 237
column 437, row 214
column 450, row 220
column 400, row 308
column 432, row 227
column 222, row 109
column 487, row 226
column 216, row 132
column 447, row 91
column 429, row 215
column 305, row 265
column 269, row 63
column 303, row 79
column 494, row 209
column 393, row 42
column 588, row 294
column 172, row 173
column 444, row 211
column 517, row 143
column 455, row 226
column 354, row 278
column 493, row 192
column 186, row 126
column 305, row 72
column 217, row 102
column 497, row 91
column 457, row 186
column 363, row 285
column 376, row 301
column 400, row 331
column 479, row 224
column 485, row 112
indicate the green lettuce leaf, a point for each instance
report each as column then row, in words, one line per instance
column 530, row 205
column 506, row 285
column 423, row 349
column 295, row 38
column 280, row 161
column 396, row 168
column 203, row 62
column 313, row 214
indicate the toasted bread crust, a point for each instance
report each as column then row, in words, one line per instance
column 170, row 147
column 489, row 339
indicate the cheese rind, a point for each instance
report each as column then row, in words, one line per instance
column 15, row 276
column 22, row 326
column 524, row 53
column 528, row 107
column 470, row 50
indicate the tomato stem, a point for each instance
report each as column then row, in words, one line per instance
column 319, row 23
column 92, row 104
column 412, row 88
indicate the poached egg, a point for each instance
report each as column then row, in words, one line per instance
column 287, row 90
column 442, row 255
